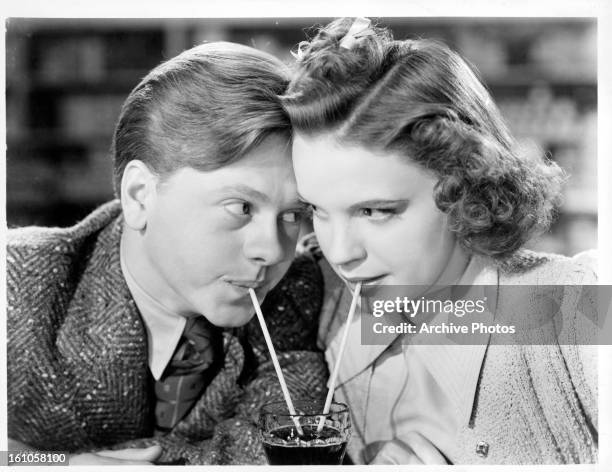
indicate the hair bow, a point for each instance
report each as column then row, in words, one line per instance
column 299, row 53
column 359, row 26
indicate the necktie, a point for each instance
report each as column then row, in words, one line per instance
column 192, row 367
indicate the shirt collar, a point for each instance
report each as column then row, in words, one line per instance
column 164, row 328
column 456, row 368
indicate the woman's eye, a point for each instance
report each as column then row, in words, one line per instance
column 238, row 208
column 378, row 213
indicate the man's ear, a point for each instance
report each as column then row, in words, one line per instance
column 138, row 190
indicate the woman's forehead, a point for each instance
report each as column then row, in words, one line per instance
column 328, row 170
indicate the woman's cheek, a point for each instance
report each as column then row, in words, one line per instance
column 322, row 231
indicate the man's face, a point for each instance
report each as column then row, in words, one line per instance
column 210, row 236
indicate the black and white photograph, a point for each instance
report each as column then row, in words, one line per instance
column 200, row 209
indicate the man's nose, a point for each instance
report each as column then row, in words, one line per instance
column 266, row 243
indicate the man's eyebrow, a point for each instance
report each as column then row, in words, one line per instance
column 246, row 191
column 252, row 194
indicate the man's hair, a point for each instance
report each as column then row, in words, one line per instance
column 422, row 100
column 204, row 109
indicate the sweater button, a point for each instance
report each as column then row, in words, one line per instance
column 482, row 449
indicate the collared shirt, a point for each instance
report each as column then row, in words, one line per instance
column 425, row 388
column 164, row 328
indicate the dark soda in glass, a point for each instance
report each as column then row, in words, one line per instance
column 285, row 446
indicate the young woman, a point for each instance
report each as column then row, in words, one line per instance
column 414, row 179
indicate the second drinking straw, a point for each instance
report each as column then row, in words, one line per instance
column 279, row 372
column 332, row 380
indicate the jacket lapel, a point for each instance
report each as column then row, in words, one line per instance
column 104, row 343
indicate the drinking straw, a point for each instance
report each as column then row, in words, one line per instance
column 279, row 372
column 332, row 380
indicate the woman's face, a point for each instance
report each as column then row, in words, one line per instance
column 374, row 214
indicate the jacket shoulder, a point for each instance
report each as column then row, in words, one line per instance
column 34, row 239
column 36, row 254
column 43, row 265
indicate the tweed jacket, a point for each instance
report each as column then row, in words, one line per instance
column 533, row 404
column 78, row 377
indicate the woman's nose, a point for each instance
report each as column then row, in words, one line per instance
column 345, row 249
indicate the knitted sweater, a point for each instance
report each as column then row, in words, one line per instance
column 536, row 404
column 78, row 377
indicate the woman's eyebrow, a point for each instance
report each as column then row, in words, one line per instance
column 378, row 202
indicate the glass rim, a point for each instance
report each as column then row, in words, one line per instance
column 268, row 408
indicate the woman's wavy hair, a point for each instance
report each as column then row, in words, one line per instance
column 204, row 109
column 420, row 99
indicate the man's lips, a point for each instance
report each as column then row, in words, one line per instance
column 246, row 283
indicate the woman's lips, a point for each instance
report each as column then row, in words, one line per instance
column 366, row 281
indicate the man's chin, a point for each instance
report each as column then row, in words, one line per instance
column 231, row 313
column 232, row 317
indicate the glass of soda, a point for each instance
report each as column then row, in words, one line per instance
column 284, row 445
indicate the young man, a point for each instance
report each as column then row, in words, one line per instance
column 124, row 330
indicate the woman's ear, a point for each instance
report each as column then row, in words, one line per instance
column 138, row 189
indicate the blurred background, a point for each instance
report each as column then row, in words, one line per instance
column 67, row 78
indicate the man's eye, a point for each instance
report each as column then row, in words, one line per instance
column 238, row 208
